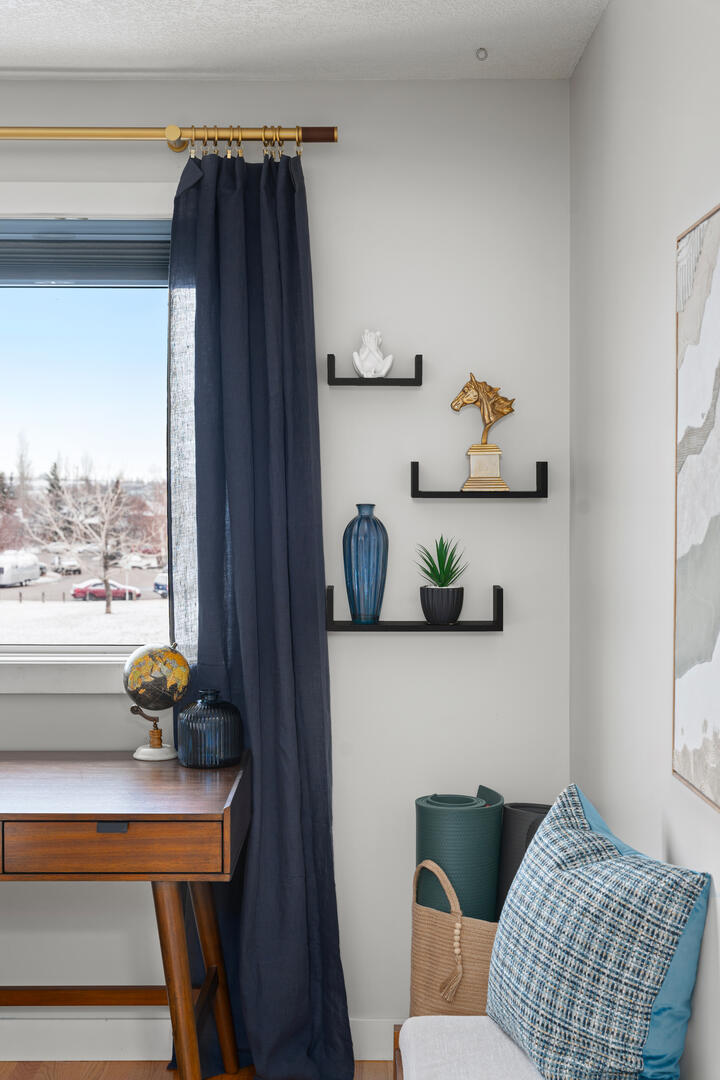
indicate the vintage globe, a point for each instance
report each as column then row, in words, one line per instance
column 156, row 676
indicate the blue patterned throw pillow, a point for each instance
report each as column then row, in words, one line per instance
column 596, row 952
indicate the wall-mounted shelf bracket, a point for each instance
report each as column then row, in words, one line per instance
column 540, row 492
column 494, row 624
column 333, row 380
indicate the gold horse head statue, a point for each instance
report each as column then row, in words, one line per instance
column 488, row 400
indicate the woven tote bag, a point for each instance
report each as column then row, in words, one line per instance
column 450, row 960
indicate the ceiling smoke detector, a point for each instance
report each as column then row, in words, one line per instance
column 481, row 53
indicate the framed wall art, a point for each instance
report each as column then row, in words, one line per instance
column 696, row 718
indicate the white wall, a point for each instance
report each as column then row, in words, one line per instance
column 442, row 218
column 645, row 165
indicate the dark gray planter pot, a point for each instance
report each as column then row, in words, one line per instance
column 441, row 607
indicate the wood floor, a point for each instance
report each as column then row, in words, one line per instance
column 142, row 1070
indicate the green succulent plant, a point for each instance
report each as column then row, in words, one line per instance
column 444, row 567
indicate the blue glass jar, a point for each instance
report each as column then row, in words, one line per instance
column 209, row 733
column 365, row 553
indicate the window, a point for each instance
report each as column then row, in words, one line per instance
column 83, row 348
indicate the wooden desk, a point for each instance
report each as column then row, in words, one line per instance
column 71, row 816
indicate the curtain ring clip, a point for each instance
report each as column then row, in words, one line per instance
column 204, row 141
column 298, row 141
column 240, row 142
column 193, row 149
column 215, row 140
column 266, row 141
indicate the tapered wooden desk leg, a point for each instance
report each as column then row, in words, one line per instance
column 209, row 934
column 171, row 928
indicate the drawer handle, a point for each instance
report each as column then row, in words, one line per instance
column 112, row 826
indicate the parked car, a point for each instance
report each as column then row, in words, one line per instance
column 160, row 585
column 136, row 560
column 18, row 568
column 67, row 567
column 94, row 589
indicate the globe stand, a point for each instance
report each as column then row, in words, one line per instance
column 156, row 750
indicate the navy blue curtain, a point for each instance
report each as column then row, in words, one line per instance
column 248, row 588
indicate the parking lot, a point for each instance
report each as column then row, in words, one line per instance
column 45, row 613
column 53, row 586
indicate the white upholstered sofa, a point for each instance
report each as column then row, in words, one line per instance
column 459, row 1048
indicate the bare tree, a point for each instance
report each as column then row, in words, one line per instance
column 85, row 513
column 12, row 531
column 154, row 519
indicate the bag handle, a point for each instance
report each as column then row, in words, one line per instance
column 428, row 864
column 449, row 987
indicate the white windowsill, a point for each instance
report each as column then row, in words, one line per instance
column 61, row 673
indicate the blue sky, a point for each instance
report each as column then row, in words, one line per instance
column 66, row 353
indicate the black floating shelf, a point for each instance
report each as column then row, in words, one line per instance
column 357, row 381
column 496, row 623
column 540, row 492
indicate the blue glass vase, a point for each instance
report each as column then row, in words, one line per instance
column 209, row 733
column 365, row 552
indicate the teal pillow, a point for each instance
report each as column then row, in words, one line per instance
column 596, row 952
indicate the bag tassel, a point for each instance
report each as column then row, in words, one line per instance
column 449, row 988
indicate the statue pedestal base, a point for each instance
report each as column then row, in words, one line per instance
column 484, row 469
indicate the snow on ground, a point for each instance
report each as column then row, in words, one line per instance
column 80, row 623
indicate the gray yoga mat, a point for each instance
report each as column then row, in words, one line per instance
column 462, row 834
column 519, row 825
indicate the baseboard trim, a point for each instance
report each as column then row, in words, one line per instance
column 53, row 1035
column 85, row 1034
column 372, row 1039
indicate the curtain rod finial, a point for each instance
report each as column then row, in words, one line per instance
column 174, row 138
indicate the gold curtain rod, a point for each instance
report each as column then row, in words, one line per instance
column 178, row 138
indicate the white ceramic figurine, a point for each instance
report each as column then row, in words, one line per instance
column 369, row 362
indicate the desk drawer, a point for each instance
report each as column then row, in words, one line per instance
column 78, row 847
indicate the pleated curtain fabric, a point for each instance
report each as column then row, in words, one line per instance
column 248, row 588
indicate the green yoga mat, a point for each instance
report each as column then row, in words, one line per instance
column 462, row 834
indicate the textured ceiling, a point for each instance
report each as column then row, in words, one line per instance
column 308, row 39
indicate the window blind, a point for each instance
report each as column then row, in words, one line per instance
column 84, row 253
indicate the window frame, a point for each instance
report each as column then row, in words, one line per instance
column 75, row 668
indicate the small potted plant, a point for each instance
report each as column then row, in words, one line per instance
column 441, row 600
